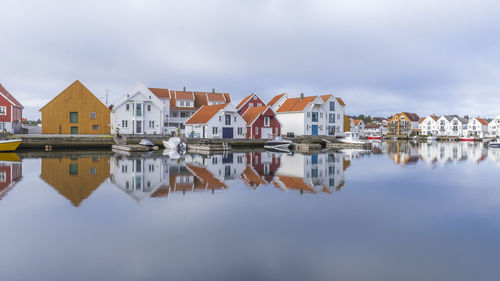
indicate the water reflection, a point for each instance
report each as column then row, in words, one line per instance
column 75, row 177
column 11, row 172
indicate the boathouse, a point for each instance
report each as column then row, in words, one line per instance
column 11, row 112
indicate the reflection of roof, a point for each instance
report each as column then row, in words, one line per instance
column 208, row 180
column 296, row 183
column 296, row 104
column 204, row 114
column 251, row 178
column 252, row 113
column 275, row 99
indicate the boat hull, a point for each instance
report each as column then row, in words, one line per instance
column 277, row 145
column 467, row 139
column 375, row 138
column 9, row 145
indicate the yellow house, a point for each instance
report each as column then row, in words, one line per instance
column 403, row 123
column 75, row 111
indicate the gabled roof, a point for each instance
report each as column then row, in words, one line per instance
column 205, row 113
column 252, row 113
column 251, row 178
column 84, row 89
column 372, row 126
column 421, row 120
column 247, row 98
column 10, row 97
column 325, row 97
column 434, row 117
column 356, row 121
column 412, row 116
column 341, row 102
column 482, row 121
column 296, row 104
column 275, row 99
column 200, row 98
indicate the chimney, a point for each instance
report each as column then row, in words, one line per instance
column 213, row 91
column 184, row 89
column 301, row 96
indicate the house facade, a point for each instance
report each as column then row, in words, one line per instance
column 358, row 127
column 373, row 129
column 138, row 111
column 75, row 111
column 11, row 112
column 250, row 101
column 477, row 127
column 404, row 123
column 262, row 123
column 335, row 110
column 428, row 125
column 216, row 121
column 494, row 127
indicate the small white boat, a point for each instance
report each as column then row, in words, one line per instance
column 174, row 143
column 350, row 137
column 146, row 142
column 277, row 143
column 433, row 138
column 492, row 144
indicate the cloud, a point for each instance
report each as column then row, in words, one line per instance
column 422, row 56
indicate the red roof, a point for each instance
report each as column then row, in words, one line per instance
column 247, row 98
column 275, row 99
column 10, row 97
column 482, row 121
column 252, row 113
column 200, row 98
column 325, row 97
column 205, row 113
column 356, row 121
column 372, row 126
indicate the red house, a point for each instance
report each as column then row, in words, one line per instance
column 248, row 102
column 10, row 173
column 11, row 112
column 261, row 122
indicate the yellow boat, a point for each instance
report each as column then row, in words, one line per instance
column 9, row 145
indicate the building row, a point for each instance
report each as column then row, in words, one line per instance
column 452, row 125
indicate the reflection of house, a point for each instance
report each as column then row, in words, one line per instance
column 261, row 168
column 224, row 167
column 311, row 173
column 139, row 177
column 402, row 153
column 76, row 177
column 179, row 179
column 11, row 171
column 75, row 111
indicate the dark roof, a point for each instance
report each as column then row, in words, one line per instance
column 412, row 116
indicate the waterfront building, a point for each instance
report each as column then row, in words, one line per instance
column 75, row 111
column 261, row 122
column 250, row 101
column 477, row 127
column 138, row 111
column 216, row 121
column 358, row 127
column 494, row 127
column 313, row 115
column 404, row 124
column 451, row 125
column 428, row 125
column 11, row 112
column 381, row 120
column 373, row 129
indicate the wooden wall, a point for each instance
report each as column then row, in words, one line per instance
column 91, row 173
column 75, row 98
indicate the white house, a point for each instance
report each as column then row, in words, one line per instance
column 373, row 129
column 358, row 127
column 138, row 111
column 216, row 121
column 314, row 115
column 428, row 125
column 477, row 127
column 451, row 125
column 494, row 127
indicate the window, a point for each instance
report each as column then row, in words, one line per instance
column 149, row 107
column 255, row 97
column 73, row 169
column 331, row 118
column 124, row 168
column 240, row 131
column 174, row 114
column 184, row 114
column 92, row 115
column 95, row 127
column 124, row 123
column 267, row 121
column 309, row 114
column 235, row 118
column 92, row 171
column 259, row 104
column 314, row 117
column 220, row 118
column 256, row 130
column 182, row 103
column 250, row 105
column 332, row 106
column 151, row 124
column 73, row 117
column 214, row 160
column 3, row 110
column 127, row 107
column 214, row 130
column 228, row 119
column 138, row 109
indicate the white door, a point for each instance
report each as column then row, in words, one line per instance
column 267, row 133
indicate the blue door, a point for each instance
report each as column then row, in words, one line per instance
column 314, row 130
column 227, row 133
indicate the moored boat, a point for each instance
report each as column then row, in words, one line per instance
column 492, row 144
column 146, row 142
column 374, row 137
column 432, row 138
column 174, row 143
column 467, row 139
column 277, row 143
column 350, row 137
column 9, row 145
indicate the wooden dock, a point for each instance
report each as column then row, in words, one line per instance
column 208, row 147
column 306, row 147
column 133, row 148
column 345, row 145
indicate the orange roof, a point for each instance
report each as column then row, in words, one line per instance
column 252, row 113
column 251, row 178
column 161, row 93
column 200, row 98
column 435, row 117
column 275, row 99
column 206, row 177
column 216, row 97
column 295, row 183
column 247, row 98
column 482, row 121
column 184, row 95
column 341, row 102
column 325, row 97
column 421, row 120
column 296, row 104
column 356, row 121
column 205, row 113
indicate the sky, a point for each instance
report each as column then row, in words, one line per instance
column 381, row 57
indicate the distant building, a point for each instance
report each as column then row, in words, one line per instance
column 75, row 111
column 428, row 125
column 477, row 127
column 373, row 129
column 381, row 120
column 494, row 127
column 358, row 127
column 452, row 126
column 404, row 123
column 11, row 112
column 216, row 121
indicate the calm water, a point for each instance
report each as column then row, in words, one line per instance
column 403, row 212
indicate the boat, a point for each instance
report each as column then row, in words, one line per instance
column 9, row 145
column 467, row 139
column 492, row 144
column 350, row 137
column 433, row 138
column 277, row 143
column 146, row 142
column 374, row 137
column 174, row 143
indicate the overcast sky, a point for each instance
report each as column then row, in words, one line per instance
column 426, row 56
